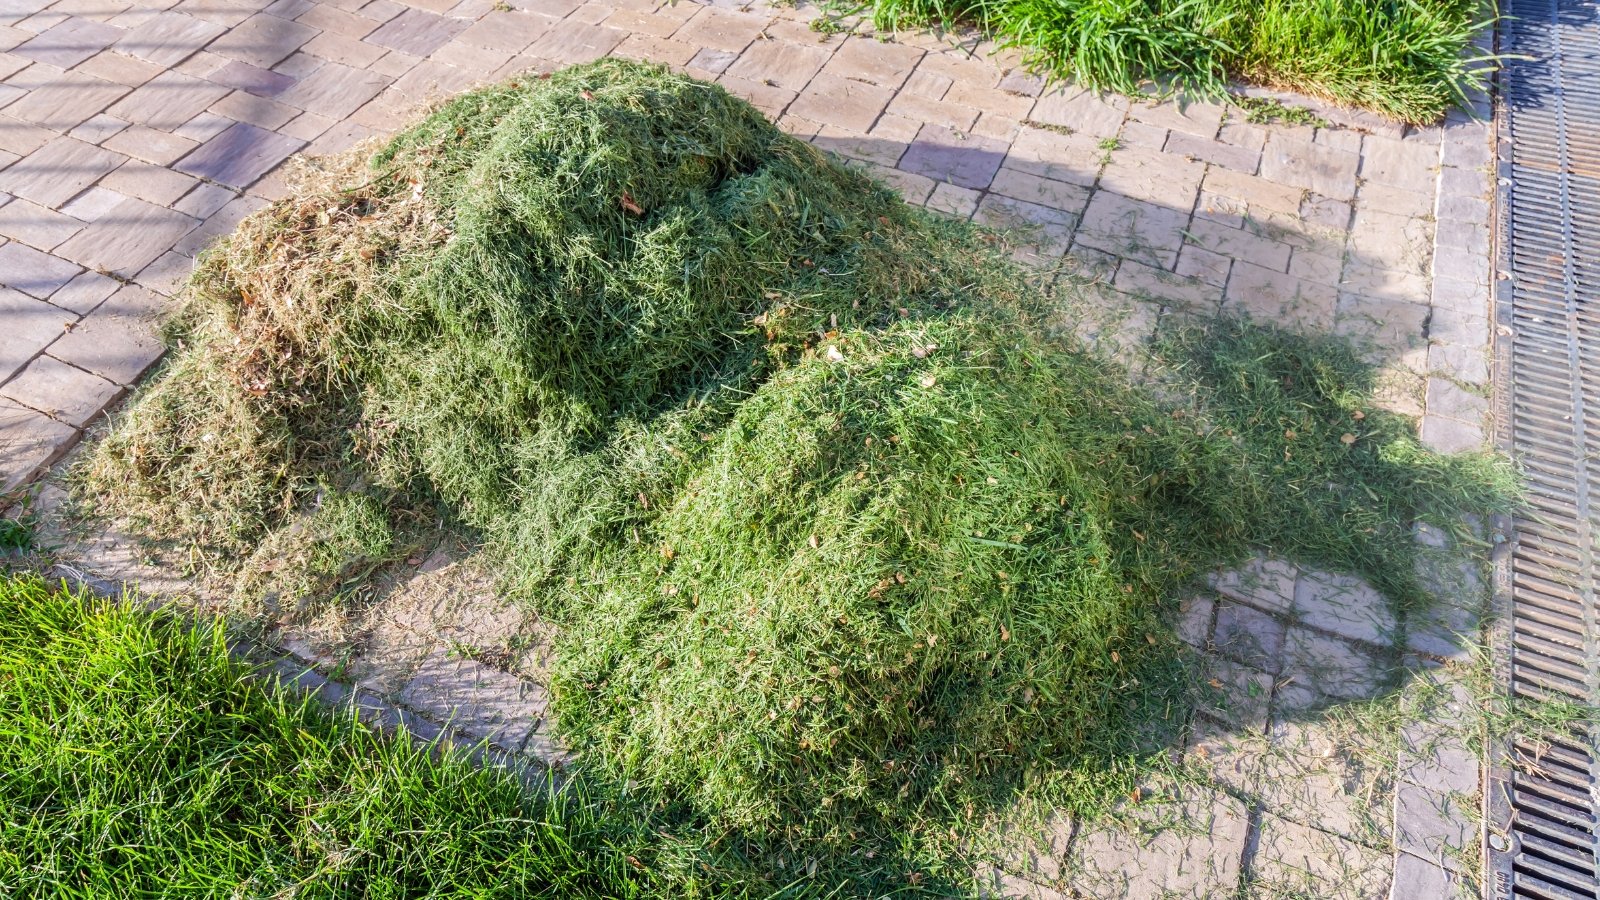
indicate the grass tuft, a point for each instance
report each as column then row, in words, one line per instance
column 842, row 539
column 1407, row 59
column 141, row 760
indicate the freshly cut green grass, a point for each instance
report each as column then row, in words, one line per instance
column 138, row 760
column 846, row 543
column 1407, row 59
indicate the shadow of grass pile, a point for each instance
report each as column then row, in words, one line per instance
column 837, row 527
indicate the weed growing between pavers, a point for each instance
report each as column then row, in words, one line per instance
column 1408, row 59
column 842, row 539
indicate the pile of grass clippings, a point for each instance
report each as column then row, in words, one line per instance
column 843, row 539
column 1407, row 59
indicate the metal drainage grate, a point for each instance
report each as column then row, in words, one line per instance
column 1544, row 834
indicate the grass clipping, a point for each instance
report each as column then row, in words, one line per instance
column 835, row 527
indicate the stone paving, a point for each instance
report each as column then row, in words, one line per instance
column 133, row 132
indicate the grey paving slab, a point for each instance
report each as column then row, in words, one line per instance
column 239, row 156
column 127, row 238
column 70, row 42
column 33, row 272
column 166, row 38
column 119, row 340
column 62, row 392
column 60, row 100
column 31, row 325
column 58, row 171
column 32, row 441
column 262, row 40
column 417, row 32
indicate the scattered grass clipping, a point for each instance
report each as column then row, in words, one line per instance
column 843, row 539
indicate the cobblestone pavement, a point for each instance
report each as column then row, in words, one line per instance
column 134, row 131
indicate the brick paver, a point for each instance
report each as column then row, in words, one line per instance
column 131, row 136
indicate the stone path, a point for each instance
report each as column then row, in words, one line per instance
column 132, row 132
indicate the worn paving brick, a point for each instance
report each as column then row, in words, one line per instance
column 118, row 341
column 1394, row 242
column 166, row 38
column 1133, row 229
column 58, row 100
column 780, row 63
column 1330, row 666
column 958, row 202
column 256, row 80
column 1038, row 231
column 864, row 60
column 33, row 272
column 1195, row 615
column 1203, row 265
column 97, row 129
column 37, row 226
column 1432, row 824
column 1240, row 244
column 258, row 111
column 1193, row 118
column 69, row 43
column 156, row 184
column 417, row 32
column 1071, row 158
column 944, row 154
column 1043, row 191
column 1154, row 177
column 110, row 65
column 335, row 90
column 1390, row 325
column 1262, row 581
column 239, row 156
column 1315, row 167
column 1250, row 636
column 1240, row 159
column 1301, row 860
column 218, row 224
column 326, row 17
column 60, row 391
column 1346, row 606
column 1082, row 111
column 1417, row 877
column 1157, row 859
column 1259, row 193
column 32, row 441
column 30, row 326
column 1272, row 296
column 127, row 237
column 858, row 146
column 168, row 100
column 720, row 29
column 569, row 42
column 150, row 145
column 1166, row 287
column 485, row 703
column 1399, row 163
column 834, row 100
column 85, row 292
column 262, row 40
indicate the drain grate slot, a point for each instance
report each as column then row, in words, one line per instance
column 1544, row 835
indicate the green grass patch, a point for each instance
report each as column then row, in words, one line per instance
column 1407, row 59
column 845, row 540
column 142, row 761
